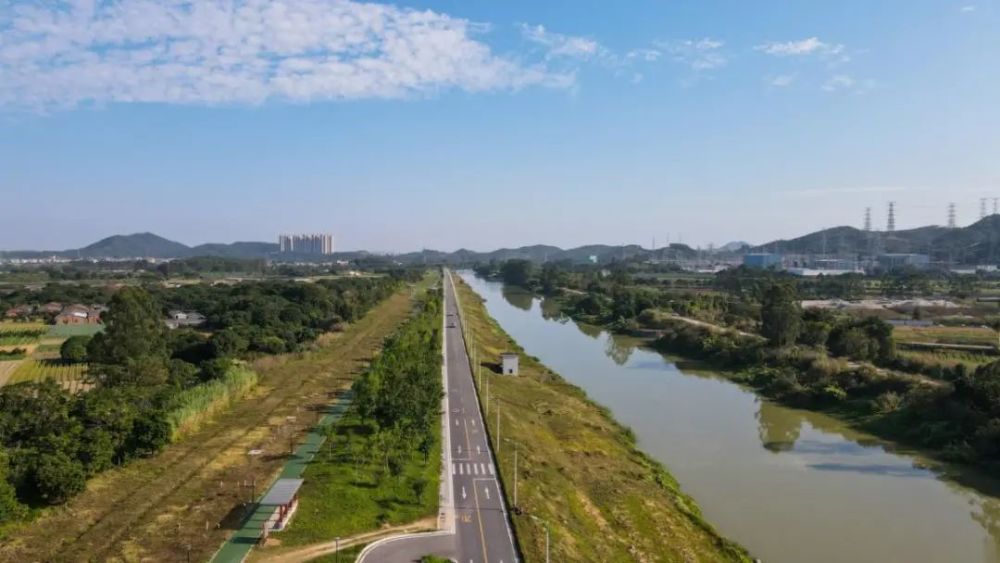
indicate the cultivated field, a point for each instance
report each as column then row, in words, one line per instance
column 18, row 335
column 67, row 374
column 7, row 369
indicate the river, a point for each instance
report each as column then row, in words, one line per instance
column 792, row 486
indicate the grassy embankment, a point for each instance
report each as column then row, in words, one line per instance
column 350, row 487
column 580, row 470
column 191, row 495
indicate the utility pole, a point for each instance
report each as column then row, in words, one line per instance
column 982, row 208
column 891, row 224
column 546, row 524
column 498, row 427
column 868, row 219
column 951, row 215
column 515, row 475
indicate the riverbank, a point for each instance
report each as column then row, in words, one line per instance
column 579, row 471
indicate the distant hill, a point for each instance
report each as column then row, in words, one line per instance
column 235, row 250
column 978, row 243
column 734, row 246
column 131, row 246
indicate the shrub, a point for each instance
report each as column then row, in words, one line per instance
column 74, row 349
column 195, row 405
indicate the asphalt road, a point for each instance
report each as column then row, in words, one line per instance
column 482, row 532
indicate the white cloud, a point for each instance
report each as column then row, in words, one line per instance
column 699, row 54
column 244, row 51
column 559, row 45
column 782, row 80
column 647, row 55
column 839, row 82
column 967, row 9
column 810, row 46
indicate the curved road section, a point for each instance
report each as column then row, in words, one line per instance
column 475, row 526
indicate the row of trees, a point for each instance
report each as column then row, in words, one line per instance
column 399, row 396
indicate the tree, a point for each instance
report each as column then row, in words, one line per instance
column 781, row 315
column 227, row 344
column 58, row 477
column 74, row 349
column 132, row 350
column 10, row 508
column 517, row 272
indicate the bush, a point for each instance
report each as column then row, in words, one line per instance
column 74, row 349
column 195, row 405
column 58, row 477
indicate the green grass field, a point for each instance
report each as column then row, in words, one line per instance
column 977, row 336
column 69, row 375
column 65, row 331
column 348, row 490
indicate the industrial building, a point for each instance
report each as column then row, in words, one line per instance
column 762, row 261
column 306, row 244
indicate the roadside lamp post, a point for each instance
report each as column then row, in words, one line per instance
column 546, row 524
column 515, row 471
column 498, row 426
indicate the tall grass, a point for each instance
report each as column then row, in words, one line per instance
column 194, row 406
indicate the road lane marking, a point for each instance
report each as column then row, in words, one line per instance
column 473, row 422
column 491, row 469
column 487, row 491
column 459, row 450
column 463, row 493
column 479, row 518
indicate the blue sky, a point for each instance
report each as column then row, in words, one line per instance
column 485, row 124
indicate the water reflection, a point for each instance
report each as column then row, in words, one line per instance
column 517, row 297
column 619, row 349
column 792, row 485
column 778, row 427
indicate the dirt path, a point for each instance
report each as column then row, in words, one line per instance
column 315, row 551
column 186, row 500
column 7, row 369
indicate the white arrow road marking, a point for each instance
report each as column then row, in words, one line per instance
column 456, row 422
column 463, row 493
column 487, row 491
column 473, row 422
column 479, row 450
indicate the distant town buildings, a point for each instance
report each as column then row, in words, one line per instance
column 78, row 315
column 306, row 244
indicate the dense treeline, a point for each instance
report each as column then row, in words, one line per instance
column 150, row 384
column 268, row 317
column 399, row 396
